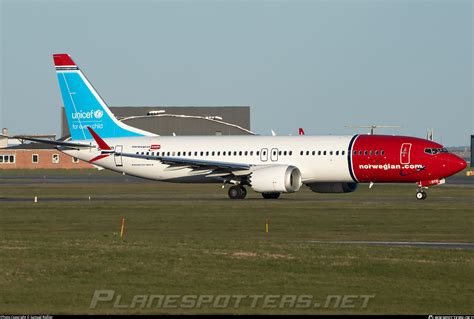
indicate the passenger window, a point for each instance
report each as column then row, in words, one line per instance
column 213, row 153
column 251, row 153
column 382, row 152
column 301, row 153
column 337, row 152
column 343, row 153
column 377, row 152
column 307, row 152
column 330, row 153
column 365, row 152
column 291, row 153
column 207, row 153
column 319, row 152
column 246, row 152
column 324, row 153
column 314, row 153
column 284, row 153
column 371, row 152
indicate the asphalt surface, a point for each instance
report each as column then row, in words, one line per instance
column 117, row 178
column 419, row 244
column 68, row 179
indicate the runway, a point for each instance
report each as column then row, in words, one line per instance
column 71, row 179
column 97, row 177
column 418, row 244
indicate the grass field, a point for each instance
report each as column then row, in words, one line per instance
column 192, row 240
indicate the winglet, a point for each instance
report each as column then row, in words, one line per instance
column 98, row 140
column 300, row 131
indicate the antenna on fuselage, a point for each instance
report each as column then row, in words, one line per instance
column 430, row 134
column 373, row 127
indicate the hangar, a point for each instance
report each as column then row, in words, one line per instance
column 182, row 120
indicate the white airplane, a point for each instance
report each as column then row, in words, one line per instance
column 270, row 165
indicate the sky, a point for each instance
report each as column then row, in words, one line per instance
column 320, row 65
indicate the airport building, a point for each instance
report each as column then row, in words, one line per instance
column 161, row 120
column 35, row 156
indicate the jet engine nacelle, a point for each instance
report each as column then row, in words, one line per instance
column 333, row 187
column 276, row 179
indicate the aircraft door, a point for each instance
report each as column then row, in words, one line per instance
column 405, row 153
column 274, row 155
column 264, row 154
column 118, row 157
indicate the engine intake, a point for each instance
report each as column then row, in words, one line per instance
column 278, row 178
column 333, row 187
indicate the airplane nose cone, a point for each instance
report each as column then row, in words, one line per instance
column 457, row 164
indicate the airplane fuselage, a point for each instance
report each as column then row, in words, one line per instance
column 358, row 158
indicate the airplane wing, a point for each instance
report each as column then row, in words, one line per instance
column 218, row 168
column 193, row 163
column 57, row 143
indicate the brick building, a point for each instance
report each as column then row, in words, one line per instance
column 31, row 156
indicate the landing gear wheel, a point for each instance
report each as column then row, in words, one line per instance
column 420, row 195
column 271, row 195
column 243, row 192
column 237, row 192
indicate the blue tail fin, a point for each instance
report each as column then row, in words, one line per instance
column 84, row 107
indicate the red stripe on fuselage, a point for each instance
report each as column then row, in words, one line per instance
column 98, row 158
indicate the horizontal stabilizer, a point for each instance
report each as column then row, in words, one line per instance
column 57, row 143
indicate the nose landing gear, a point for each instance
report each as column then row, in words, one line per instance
column 421, row 194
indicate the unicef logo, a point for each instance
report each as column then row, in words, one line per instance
column 98, row 114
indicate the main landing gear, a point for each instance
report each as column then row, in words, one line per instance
column 237, row 192
column 421, row 195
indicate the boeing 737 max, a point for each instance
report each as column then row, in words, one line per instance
column 269, row 165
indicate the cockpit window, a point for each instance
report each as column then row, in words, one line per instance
column 434, row 151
